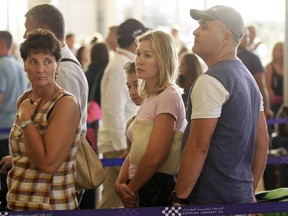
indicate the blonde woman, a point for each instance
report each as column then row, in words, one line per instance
column 274, row 77
column 147, row 176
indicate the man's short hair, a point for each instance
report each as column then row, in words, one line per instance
column 6, row 37
column 48, row 17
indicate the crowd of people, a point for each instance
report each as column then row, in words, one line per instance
column 188, row 135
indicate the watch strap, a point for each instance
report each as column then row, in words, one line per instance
column 175, row 199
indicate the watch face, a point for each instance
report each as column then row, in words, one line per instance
column 22, row 124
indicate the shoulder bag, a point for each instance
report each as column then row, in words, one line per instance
column 89, row 169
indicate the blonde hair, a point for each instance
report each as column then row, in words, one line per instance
column 164, row 50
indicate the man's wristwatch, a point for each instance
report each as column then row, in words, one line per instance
column 24, row 124
column 175, row 199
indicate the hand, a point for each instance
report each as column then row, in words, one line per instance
column 176, row 204
column 255, row 214
column 269, row 113
column 125, row 154
column 131, row 203
column 127, row 196
column 5, row 164
column 27, row 109
column 124, row 191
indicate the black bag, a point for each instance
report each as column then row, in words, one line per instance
column 3, row 192
column 3, row 202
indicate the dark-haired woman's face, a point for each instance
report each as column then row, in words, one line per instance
column 41, row 68
column 183, row 67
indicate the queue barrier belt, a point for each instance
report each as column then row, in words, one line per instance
column 277, row 121
column 214, row 209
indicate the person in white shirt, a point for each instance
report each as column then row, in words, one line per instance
column 111, row 38
column 71, row 76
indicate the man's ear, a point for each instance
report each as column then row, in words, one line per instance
column 228, row 35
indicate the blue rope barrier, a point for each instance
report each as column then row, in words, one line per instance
column 4, row 130
column 277, row 160
column 119, row 161
column 270, row 160
column 216, row 209
column 112, row 161
column 269, row 122
column 277, row 121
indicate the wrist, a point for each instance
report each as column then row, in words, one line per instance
column 23, row 124
column 24, row 118
column 175, row 199
column 132, row 188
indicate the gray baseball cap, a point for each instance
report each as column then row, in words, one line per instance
column 231, row 18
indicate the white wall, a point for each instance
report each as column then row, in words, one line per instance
column 80, row 16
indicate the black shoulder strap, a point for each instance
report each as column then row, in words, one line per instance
column 72, row 60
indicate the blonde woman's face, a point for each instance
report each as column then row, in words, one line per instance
column 278, row 51
column 146, row 64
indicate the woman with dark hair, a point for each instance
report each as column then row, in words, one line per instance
column 82, row 55
column 190, row 69
column 45, row 135
column 274, row 77
column 99, row 58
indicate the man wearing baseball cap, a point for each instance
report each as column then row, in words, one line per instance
column 117, row 107
column 226, row 140
column 128, row 31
